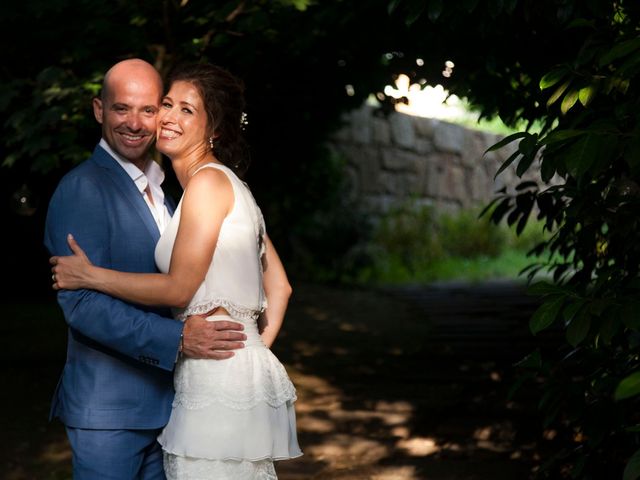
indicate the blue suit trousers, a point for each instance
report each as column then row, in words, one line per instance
column 116, row 454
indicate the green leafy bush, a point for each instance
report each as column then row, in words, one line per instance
column 412, row 243
column 407, row 235
column 464, row 234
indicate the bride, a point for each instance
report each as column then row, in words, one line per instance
column 231, row 419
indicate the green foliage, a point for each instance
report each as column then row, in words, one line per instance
column 465, row 235
column 413, row 243
column 407, row 235
column 589, row 145
column 628, row 387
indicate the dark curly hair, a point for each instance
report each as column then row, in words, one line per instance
column 223, row 98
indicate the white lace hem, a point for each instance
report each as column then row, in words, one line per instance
column 239, row 312
column 190, row 401
column 186, row 468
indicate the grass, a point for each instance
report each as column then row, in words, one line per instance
column 414, row 244
column 506, row 265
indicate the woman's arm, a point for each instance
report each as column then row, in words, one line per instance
column 206, row 201
column 278, row 291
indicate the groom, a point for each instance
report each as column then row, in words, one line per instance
column 115, row 393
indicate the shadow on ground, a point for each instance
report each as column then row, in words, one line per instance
column 406, row 384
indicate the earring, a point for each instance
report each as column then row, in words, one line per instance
column 211, row 142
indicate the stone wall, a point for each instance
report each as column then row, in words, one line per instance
column 399, row 157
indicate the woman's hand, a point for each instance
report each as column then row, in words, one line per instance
column 73, row 271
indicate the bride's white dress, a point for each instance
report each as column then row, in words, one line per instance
column 231, row 419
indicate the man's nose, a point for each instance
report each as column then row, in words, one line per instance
column 134, row 122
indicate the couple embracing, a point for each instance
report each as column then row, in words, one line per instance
column 171, row 309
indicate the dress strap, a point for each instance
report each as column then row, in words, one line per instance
column 219, row 166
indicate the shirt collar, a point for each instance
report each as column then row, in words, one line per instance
column 153, row 173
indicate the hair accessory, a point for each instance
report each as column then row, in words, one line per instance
column 243, row 120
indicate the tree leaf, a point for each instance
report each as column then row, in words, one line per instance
column 581, row 156
column 632, row 469
column 558, row 93
column 546, row 314
column 553, row 77
column 502, row 208
column 630, row 314
column 620, row 50
column 532, row 360
column 578, row 328
column 522, row 223
column 608, row 328
column 585, row 95
column 569, row 101
column 506, row 163
column 544, row 288
column 570, row 310
column 524, row 164
column 488, row 207
column 628, row 387
column 547, row 169
column 560, row 135
column 506, row 140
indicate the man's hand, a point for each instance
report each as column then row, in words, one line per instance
column 214, row 340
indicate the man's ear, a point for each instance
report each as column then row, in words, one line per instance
column 98, row 109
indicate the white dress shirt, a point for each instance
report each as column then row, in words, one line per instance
column 148, row 183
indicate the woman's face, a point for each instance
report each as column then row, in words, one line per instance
column 182, row 122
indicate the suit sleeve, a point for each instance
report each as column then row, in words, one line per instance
column 78, row 207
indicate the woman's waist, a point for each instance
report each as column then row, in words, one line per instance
column 248, row 312
column 250, row 327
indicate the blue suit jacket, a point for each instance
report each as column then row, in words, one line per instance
column 120, row 357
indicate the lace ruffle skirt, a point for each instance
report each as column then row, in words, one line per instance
column 234, row 410
column 183, row 468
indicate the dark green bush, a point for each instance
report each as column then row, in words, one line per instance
column 464, row 234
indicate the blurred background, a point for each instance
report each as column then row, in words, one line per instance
column 419, row 164
column 335, row 168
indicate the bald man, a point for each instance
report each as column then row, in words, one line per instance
column 115, row 393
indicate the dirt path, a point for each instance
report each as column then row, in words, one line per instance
column 402, row 385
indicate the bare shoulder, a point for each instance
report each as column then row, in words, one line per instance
column 209, row 184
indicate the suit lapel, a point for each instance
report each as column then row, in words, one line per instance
column 127, row 187
column 169, row 203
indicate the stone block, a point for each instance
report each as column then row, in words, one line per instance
column 394, row 159
column 423, row 146
column 381, row 131
column 475, row 144
column 361, row 126
column 449, row 137
column 424, row 127
column 402, row 132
